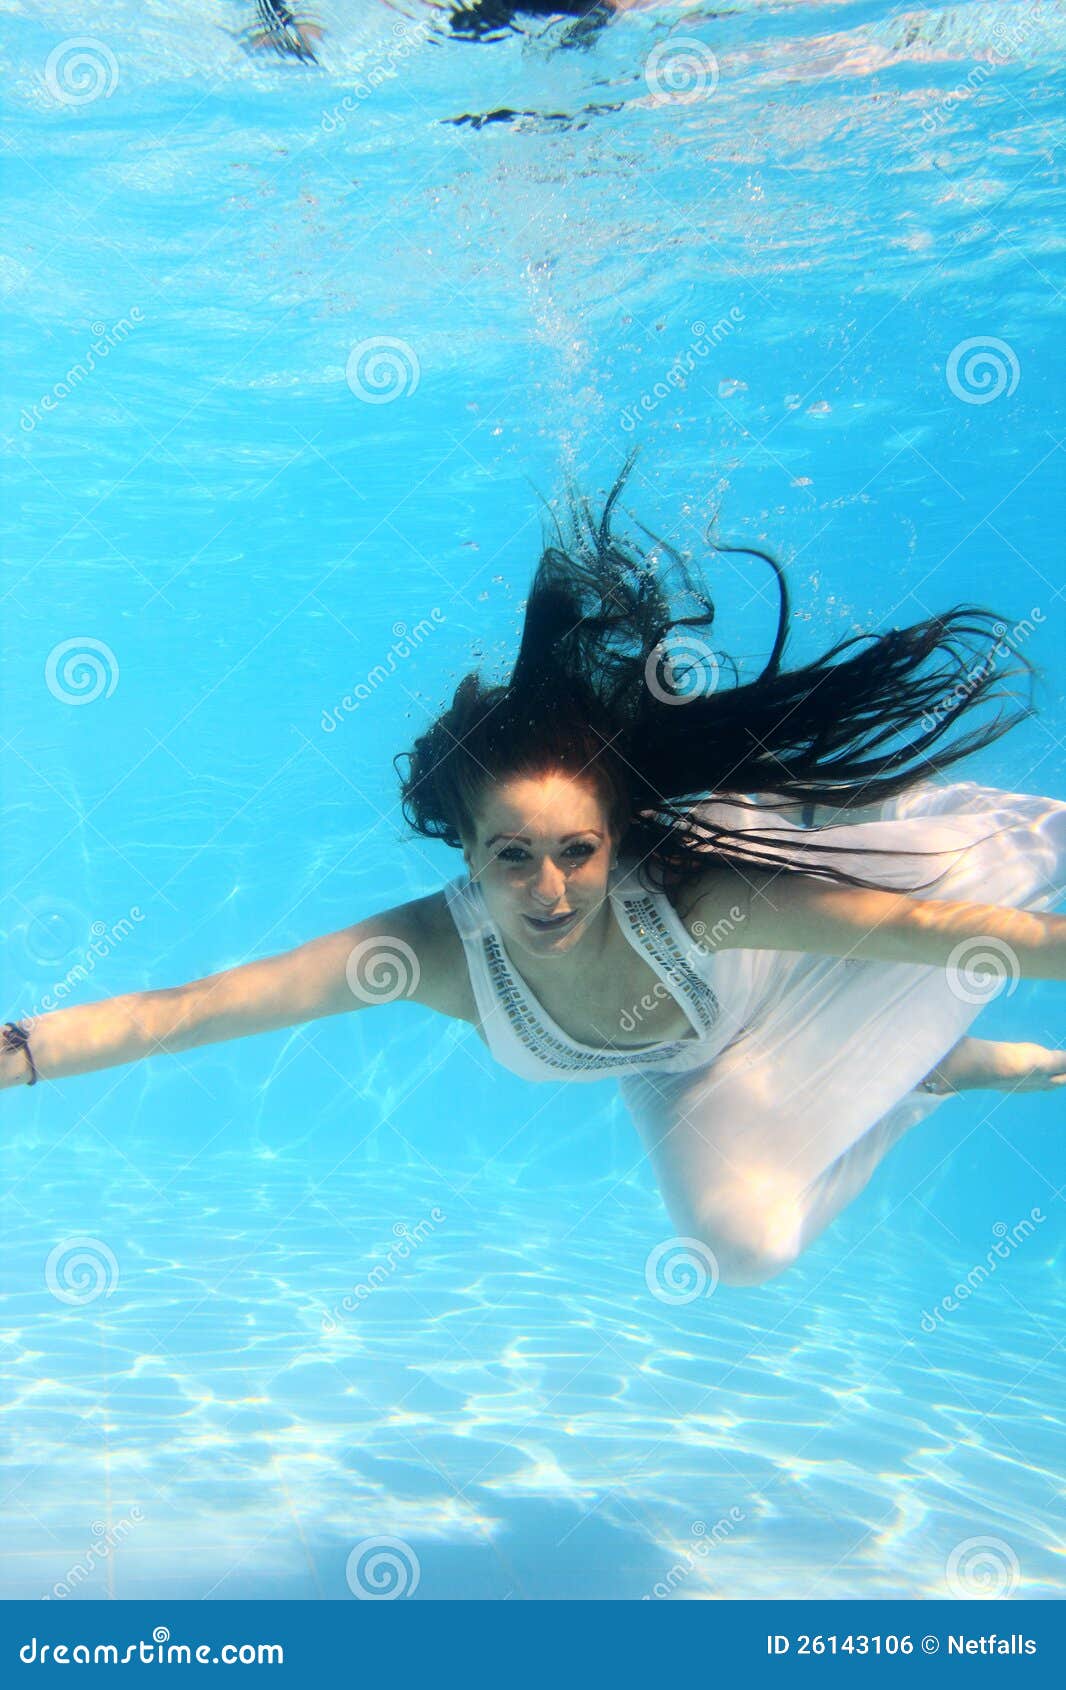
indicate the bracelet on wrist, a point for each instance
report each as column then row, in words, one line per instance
column 16, row 1037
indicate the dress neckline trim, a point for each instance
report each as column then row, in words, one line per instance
column 640, row 915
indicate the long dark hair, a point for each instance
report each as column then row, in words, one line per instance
column 597, row 690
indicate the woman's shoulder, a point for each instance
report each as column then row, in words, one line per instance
column 713, row 904
column 445, row 980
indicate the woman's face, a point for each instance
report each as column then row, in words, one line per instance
column 543, row 849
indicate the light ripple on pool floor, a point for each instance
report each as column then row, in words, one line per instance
column 525, row 1415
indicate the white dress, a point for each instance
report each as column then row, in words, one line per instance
column 800, row 1070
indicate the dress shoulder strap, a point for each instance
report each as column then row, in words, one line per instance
column 654, row 926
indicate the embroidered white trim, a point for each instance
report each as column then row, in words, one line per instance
column 568, row 1055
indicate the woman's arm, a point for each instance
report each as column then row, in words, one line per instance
column 789, row 910
column 388, row 956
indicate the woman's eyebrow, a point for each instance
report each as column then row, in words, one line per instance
column 524, row 839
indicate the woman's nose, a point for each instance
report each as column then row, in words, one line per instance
column 548, row 882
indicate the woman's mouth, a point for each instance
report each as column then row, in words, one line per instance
column 551, row 924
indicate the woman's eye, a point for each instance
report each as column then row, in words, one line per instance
column 515, row 854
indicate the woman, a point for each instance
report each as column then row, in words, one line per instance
column 776, row 1018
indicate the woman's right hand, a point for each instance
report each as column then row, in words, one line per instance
column 389, row 956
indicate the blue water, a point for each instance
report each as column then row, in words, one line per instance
column 818, row 284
